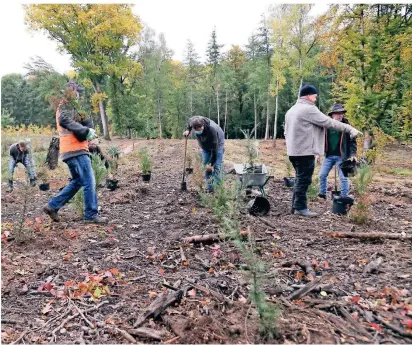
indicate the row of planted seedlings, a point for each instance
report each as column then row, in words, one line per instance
column 226, row 204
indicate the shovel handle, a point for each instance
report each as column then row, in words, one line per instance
column 184, row 161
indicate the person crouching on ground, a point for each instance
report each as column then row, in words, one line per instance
column 211, row 140
column 338, row 147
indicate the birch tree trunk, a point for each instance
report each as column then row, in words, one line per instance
column 275, row 126
column 267, row 114
column 225, row 127
column 217, row 104
column 255, row 110
column 103, row 116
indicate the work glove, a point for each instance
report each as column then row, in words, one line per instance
column 92, row 134
column 186, row 133
column 354, row 133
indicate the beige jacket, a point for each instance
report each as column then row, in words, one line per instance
column 305, row 128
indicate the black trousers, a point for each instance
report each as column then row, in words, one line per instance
column 304, row 168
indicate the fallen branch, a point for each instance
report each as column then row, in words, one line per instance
column 125, row 335
column 215, row 294
column 269, row 224
column 158, row 306
column 170, row 341
column 393, row 327
column 307, row 288
column 20, row 338
column 368, row 235
column 355, row 323
column 182, row 255
column 74, row 316
column 213, row 237
column 146, row 333
column 82, row 315
column 203, row 238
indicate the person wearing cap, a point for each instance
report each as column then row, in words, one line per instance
column 20, row 153
column 338, row 148
column 305, row 135
column 211, row 140
column 74, row 132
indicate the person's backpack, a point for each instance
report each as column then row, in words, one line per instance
column 52, row 158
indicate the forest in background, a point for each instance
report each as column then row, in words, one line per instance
column 359, row 55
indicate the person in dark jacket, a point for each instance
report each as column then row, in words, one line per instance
column 95, row 149
column 21, row 153
column 211, row 140
column 338, row 147
column 74, row 132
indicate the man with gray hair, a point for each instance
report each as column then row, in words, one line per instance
column 305, row 128
column 21, row 153
column 211, row 140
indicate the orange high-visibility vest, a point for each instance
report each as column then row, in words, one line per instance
column 68, row 141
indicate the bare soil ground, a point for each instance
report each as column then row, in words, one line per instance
column 114, row 273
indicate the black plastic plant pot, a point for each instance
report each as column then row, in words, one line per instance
column 341, row 205
column 146, row 177
column 289, row 181
column 189, row 170
column 112, row 184
column 258, row 206
column 44, row 187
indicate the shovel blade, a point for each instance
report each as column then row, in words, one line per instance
column 183, row 186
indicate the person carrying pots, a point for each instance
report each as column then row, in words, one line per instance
column 305, row 128
column 338, row 148
column 21, row 153
column 211, row 140
column 74, row 132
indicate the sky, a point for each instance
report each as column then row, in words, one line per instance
column 179, row 20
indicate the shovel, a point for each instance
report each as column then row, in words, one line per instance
column 336, row 192
column 183, row 185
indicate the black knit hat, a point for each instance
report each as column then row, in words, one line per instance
column 308, row 90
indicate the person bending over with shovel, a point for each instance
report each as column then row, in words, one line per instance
column 211, row 140
column 339, row 147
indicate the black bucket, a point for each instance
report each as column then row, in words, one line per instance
column 44, row 187
column 342, row 204
column 258, row 206
column 289, row 181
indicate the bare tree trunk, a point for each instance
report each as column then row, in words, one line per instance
column 267, row 115
column 159, row 118
column 103, row 116
column 210, row 105
column 225, row 127
column 275, row 126
column 191, row 101
column 217, row 104
column 255, row 110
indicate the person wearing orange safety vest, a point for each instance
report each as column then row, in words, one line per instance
column 74, row 133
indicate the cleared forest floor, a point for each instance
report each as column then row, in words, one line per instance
column 70, row 282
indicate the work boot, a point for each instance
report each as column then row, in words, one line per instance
column 97, row 220
column 9, row 186
column 306, row 213
column 322, row 196
column 33, row 182
column 52, row 213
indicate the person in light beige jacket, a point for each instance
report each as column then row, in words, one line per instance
column 305, row 127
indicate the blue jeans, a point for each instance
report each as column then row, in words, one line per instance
column 215, row 176
column 28, row 164
column 327, row 165
column 82, row 177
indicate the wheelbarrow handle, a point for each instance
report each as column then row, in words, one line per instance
column 267, row 180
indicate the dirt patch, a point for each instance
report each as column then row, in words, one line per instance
column 138, row 256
